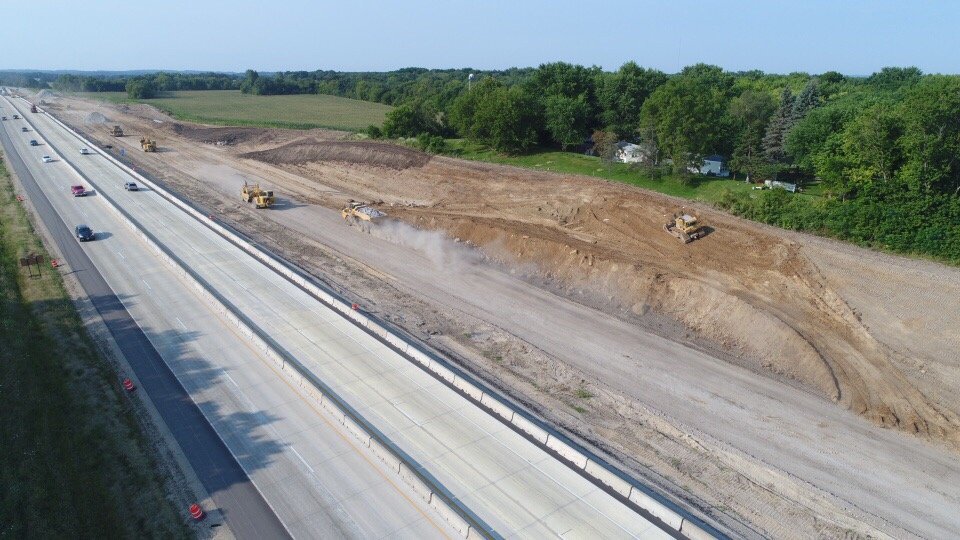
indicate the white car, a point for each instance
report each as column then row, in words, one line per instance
column 84, row 151
column 46, row 159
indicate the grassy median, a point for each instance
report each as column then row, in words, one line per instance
column 74, row 462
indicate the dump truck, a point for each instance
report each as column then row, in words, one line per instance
column 117, row 131
column 262, row 198
column 148, row 145
column 357, row 211
column 685, row 226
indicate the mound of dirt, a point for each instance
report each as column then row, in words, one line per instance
column 375, row 154
column 95, row 118
column 222, row 136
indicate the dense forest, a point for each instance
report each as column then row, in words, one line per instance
column 882, row 150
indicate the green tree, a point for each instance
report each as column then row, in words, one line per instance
column 931, row 138
column 141, row 89
column 777, row 130
column 410, row 120
column 567, row 119
column 871, row 144
column 622, row 94
column 749, row 114
column 687, row 115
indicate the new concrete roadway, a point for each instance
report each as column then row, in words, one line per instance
column 311, row 475
column 513, row 485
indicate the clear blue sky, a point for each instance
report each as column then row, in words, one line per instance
column 851, row 36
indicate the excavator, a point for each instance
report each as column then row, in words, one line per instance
column 148, row 145
column 262, row 198
column 685, row 226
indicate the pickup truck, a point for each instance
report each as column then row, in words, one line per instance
column 78, row 191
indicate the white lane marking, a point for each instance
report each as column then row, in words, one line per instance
column 181, row 323
column 121, row 255
column 231, row 380
column 147, row 284
column 305, row 464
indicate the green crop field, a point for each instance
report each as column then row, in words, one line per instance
column 230, row 107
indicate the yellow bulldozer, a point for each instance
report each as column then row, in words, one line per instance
column 685, row 226
column 148, row 145
column 261, row 197
column 357, row 211
column 117, row 131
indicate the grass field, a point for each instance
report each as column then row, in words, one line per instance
column 700, row 188
column 230, row 107
column 73, row 461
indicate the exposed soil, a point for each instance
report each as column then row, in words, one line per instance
column 806, row 316
column 366, row 153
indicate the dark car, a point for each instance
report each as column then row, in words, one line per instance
column 84, row 233
column 24, row 129
column 33, row 142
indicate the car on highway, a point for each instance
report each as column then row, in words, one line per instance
column 46, row 159
column 24, row 129
column 78, row 190
column 84, row 233
column 4, row 117
column 33, row 142
column 131, row 186
column 84, row 151
column 16, row 117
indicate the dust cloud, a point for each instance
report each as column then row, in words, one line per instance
column 444, row 253
column 95, row 118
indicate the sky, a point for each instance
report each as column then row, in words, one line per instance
column 854, row 37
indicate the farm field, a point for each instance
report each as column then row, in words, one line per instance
column 230, row 107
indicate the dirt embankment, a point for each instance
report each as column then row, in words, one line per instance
column 749, row 290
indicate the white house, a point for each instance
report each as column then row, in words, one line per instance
column 714, row 165
column 628, row 152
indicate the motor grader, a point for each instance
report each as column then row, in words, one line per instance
column 262, row 198
column 685, row 226
column 148, row 145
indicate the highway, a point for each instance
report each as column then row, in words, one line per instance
column 313, row 476
column 282, row 468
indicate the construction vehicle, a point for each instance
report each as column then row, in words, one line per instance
column 262, row 198
column 117, row 131
column 148, row 145
column 33, row 108
column 356, row 212
column 685, row 226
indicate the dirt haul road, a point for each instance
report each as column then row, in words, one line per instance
column 783, row 384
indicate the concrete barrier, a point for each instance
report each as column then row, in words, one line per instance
column 693, row 531
column 454, row 519
column 567, row 452
column 618, row 484
column 538, row 433
column 468, row 388
column 419, row 486
column 386, row 455
column 656, row 509
column 501, row 410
